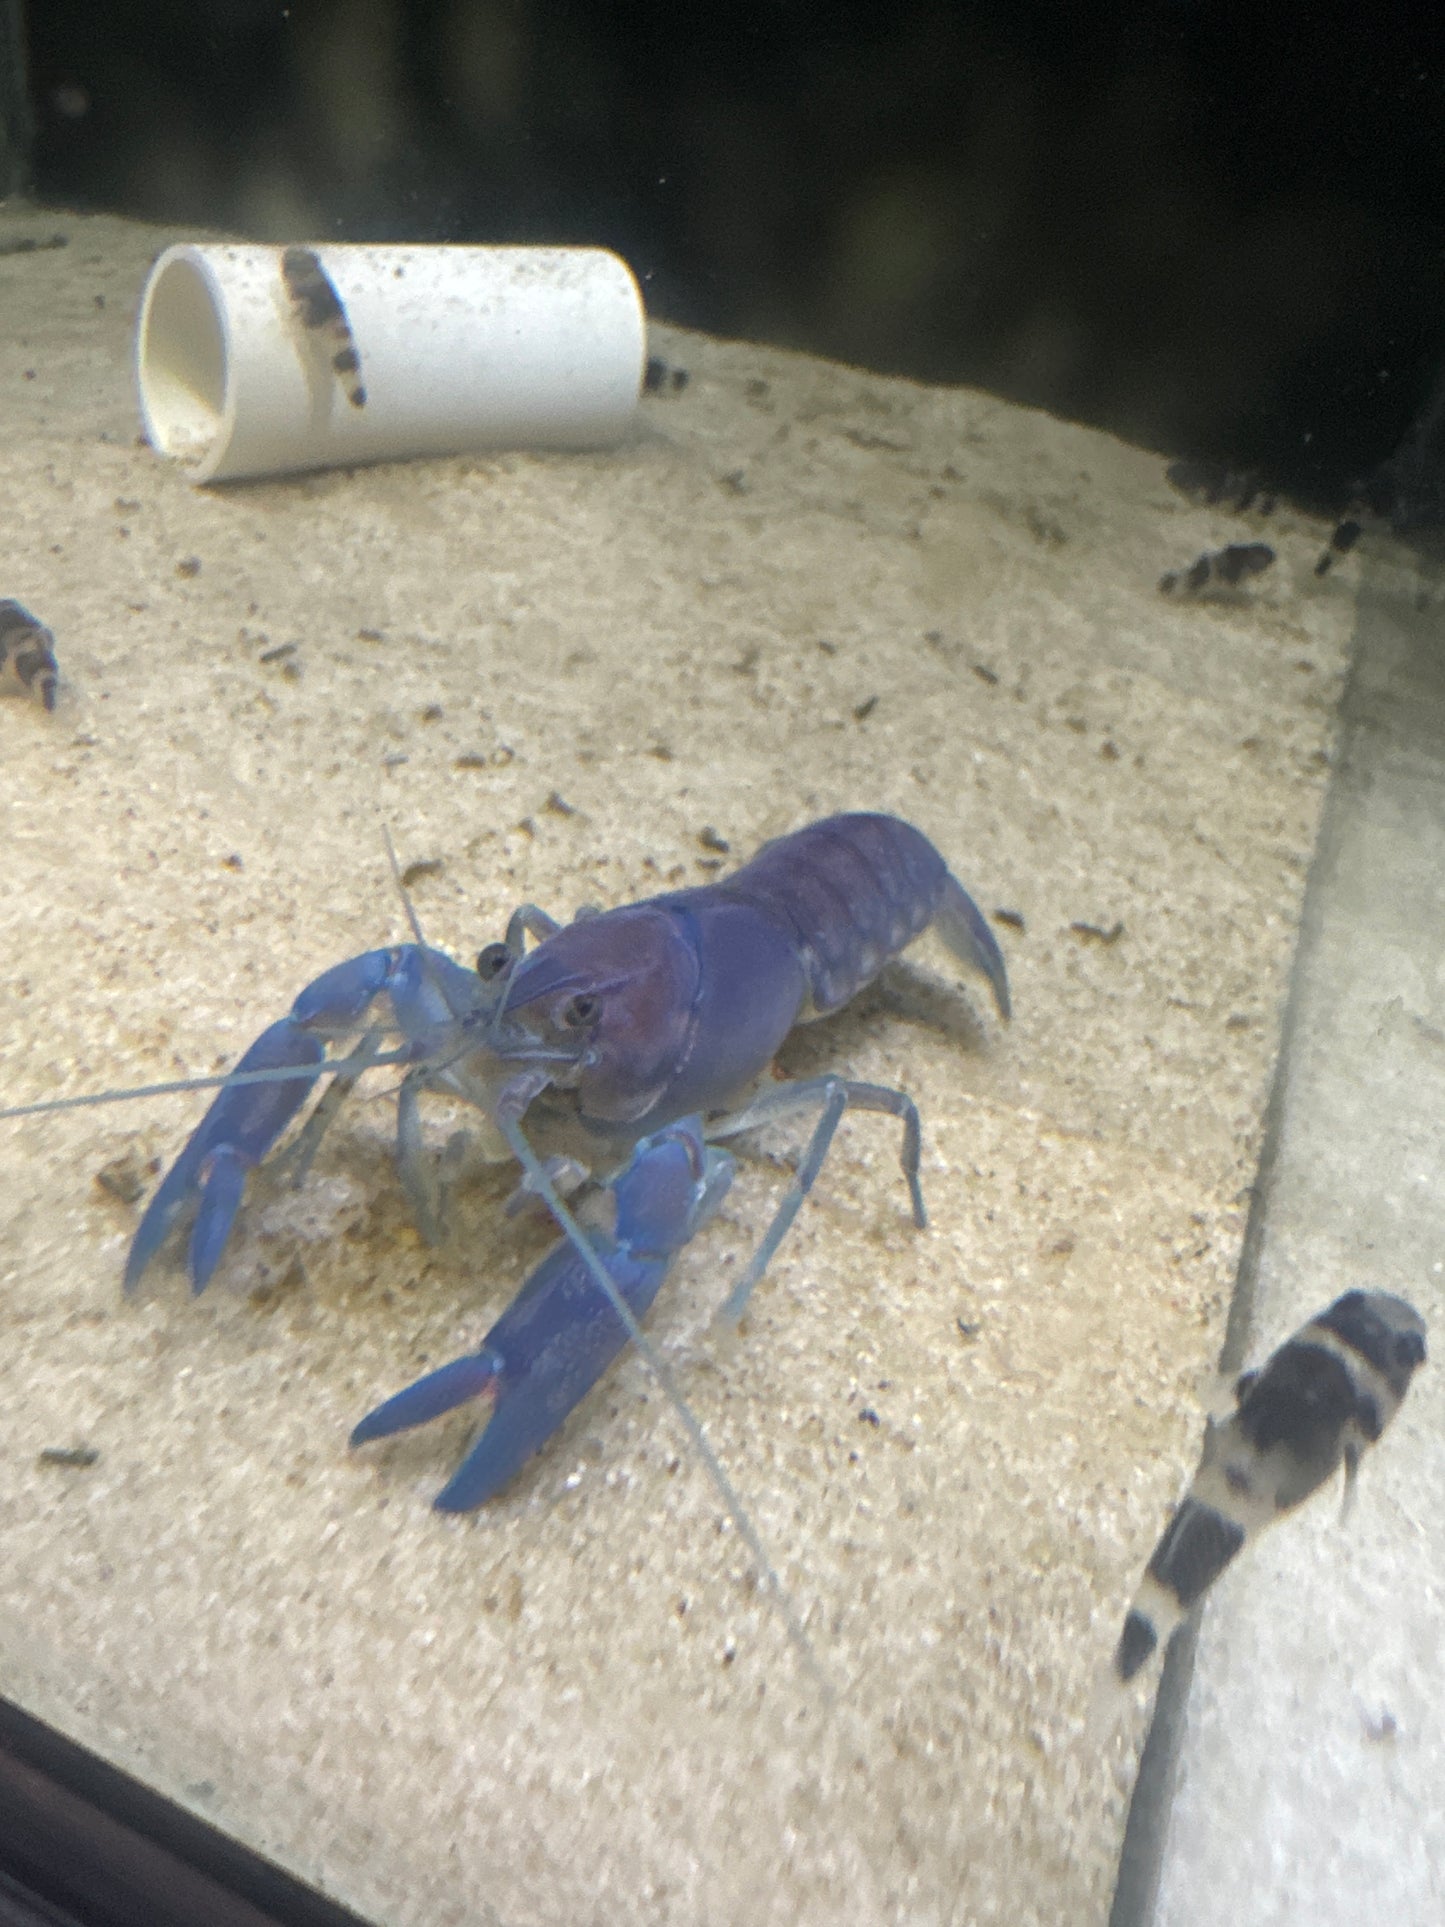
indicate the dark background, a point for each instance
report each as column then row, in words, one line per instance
column 1217, row 230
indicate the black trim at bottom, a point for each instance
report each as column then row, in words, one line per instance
column 84, row 1845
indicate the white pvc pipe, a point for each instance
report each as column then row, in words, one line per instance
column 460, row 348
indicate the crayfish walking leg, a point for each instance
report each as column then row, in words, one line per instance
column 835, row 1094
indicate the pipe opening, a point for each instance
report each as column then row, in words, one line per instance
column 181, row 362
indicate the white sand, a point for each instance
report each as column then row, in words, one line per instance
column 576, row 1706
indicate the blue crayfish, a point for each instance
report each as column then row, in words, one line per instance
column 630, row 1040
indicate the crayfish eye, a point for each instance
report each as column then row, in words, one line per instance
column 580, row 1011
column 493, row 962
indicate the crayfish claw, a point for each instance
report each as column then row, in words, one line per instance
column 440, row 1391
column 244, row 1121
column 482, row 1473
column 432, row 1001
column 559, row 1334
column 223, row 1181
column 161, row 1213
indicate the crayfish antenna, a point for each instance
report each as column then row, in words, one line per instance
column 412, row 918
column 178, row 1086
column 539, row 1182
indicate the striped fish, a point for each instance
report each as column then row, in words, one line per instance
column 1313, row 1406
column 319, row 310
column 27, row 655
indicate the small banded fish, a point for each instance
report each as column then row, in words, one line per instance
column 319, row 310
column 1346, row 535
column 1219, row 569
column 1314, row 1405
column 27, row 655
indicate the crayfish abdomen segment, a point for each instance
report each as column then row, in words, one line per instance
column 852, row 892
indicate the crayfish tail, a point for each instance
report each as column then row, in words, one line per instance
column 963, row 927
column 440, row 1391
